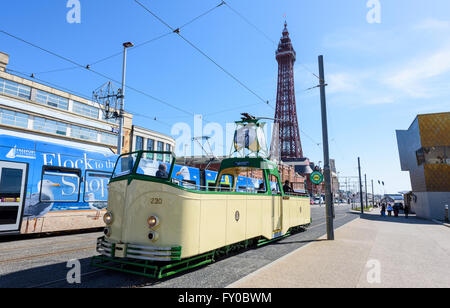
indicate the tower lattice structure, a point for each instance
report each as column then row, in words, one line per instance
column 286, row 111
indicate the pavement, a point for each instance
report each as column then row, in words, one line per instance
column 370, row 251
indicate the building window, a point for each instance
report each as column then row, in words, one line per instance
column 52, row 100
column 433, row 155
column 107, row 138
column 160, row 148
column 84, row 133
column 150, row 147
column 13, row 118
column 49, row 126
column 13, row 88
column 168, row 149
column 139, row 144
column 85, row 110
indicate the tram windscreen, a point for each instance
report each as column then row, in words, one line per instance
column 10, row 183
column 159, row 167
column 124, row 165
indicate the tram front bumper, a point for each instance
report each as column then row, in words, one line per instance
column 140, row 252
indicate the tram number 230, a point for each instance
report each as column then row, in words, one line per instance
column 156, row 201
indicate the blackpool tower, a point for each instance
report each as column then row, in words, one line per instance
column 286, row 111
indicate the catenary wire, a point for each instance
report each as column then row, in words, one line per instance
column 266, row 36
column 203, row 53
column 138, row 45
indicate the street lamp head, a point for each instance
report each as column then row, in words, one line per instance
column 128, row 44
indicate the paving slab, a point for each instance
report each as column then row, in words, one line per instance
column 371, row 251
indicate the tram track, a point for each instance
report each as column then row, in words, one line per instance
column 58, row 252
column 52, row 243
column 49, row 283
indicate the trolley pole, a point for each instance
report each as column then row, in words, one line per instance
column 373, row 196
column 326, row 154
column 122, row 97
column 365, row 184
column 360, row 186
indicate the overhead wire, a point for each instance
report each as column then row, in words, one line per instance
column 177, row 31
column 82, row 95
column 135, row 46
column 97, row 73
column 265, row 35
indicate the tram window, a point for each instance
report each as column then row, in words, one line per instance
column 124, row 165
column 154, row 168
column 275, row 185
column 60, row 185
column 96, row 186
column 226, row 182
column 262, row 188
column 211, row 186
column 10, row 184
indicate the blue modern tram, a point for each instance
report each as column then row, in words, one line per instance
column 47, row 187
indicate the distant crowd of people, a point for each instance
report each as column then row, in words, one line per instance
column 394, row 209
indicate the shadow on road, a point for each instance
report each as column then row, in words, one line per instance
column 298, row 242
column 412, row 219
column 55, row 276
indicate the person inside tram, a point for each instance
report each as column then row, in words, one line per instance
column 262, row 188
column 162, row 172
column 287, row 187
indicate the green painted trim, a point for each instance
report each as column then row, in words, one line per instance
column 159, row 270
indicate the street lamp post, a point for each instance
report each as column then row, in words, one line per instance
column 122, row 97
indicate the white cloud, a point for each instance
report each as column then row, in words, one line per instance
column 341, row 82
column 417, row 78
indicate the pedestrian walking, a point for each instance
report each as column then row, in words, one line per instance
column 389, row 210
column 407, row 206
column 383, row 210
column 396, row 210
column 406, row 210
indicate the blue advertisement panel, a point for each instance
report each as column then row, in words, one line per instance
column 78, row 181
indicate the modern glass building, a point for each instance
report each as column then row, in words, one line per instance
column 425, row 152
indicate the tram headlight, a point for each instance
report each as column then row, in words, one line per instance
column 153, row 221
column 108, row 218
column 153, row 236
column 107, row 231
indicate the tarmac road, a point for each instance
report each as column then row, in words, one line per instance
column 42, row 262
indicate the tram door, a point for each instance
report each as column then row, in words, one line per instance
column 277, row 204
column 12, row 195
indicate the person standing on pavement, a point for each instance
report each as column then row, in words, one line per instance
column 396, row 210
column 406, row 210
column 407, row 205
column 389, row 209
column 383, row 209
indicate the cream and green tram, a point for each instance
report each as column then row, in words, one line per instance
column 157, row 225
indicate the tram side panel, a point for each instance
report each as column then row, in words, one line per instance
column 40, row 215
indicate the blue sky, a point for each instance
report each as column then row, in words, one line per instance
column 380, row 76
